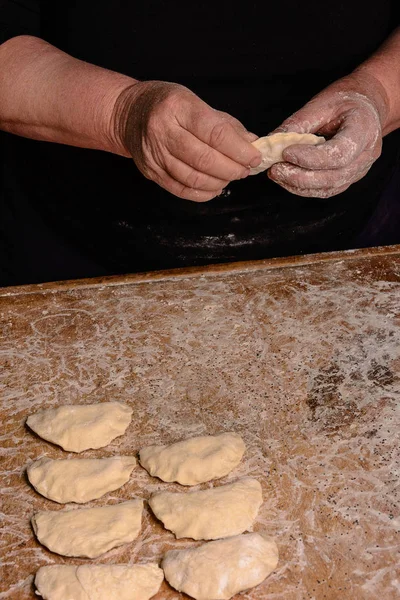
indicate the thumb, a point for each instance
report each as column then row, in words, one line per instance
column 242, row 131
column 247, row 135
column 308, row 119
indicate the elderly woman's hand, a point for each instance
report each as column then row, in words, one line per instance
column 349, row 113
column 181, row 143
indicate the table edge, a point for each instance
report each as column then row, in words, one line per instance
column 192, row 272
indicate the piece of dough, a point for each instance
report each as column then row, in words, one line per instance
column 210, row 514
column 88, row 532
column 196, row 460
column 79, row 479
column 219, row 570
column 78, row 428
column 272, row 146
column 99, row 582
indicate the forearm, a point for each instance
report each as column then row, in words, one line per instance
column 46, row 94
column 384, row 67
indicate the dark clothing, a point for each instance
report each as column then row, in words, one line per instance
column 260, row 65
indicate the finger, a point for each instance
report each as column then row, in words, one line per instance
column 308, row 119
column 198, row 155
column 164, row 180
column 293, row 176
column 357, row 129
column 242, row 131
column 182, row 191
column 220, row 134
column 249, row 137
column 313, row 193
column 190, row 177
column 340, row 151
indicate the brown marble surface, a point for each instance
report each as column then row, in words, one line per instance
column 300, row 356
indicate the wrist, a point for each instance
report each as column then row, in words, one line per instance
column 116, row 116
column 382, row 69
column 364, row 85
column 372, row 88
column 122, row 118
column 131, row 112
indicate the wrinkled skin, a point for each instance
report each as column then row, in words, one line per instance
column 349, row 113
column 181, row 143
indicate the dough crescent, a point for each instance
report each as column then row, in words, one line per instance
column 88, row 532
column 98, row 582
column 79, row 479
column 272, row 146
column 79, row 427
column 219, row 570
column 195, row 460
column 210, row 514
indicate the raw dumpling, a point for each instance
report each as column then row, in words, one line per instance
column 196, row 460
column 98, row 582
column 88, row 532
column 209, row 514
column 78, row 428
column 272, row 146
column 219, row 570
column 79, row 479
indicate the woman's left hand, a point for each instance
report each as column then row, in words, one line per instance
column 350, row 113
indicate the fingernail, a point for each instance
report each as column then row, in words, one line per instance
column 255, row 162
column 275, row 172
column 287, row 154
column 276, row 168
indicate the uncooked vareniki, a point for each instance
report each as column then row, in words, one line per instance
column 219, row 570
column 195, row 460
column 98, row 582
column 88, row 532
column 272, row 146
column 210, row 514
column 79, row 479
column 79, row 427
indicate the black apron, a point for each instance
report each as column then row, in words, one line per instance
column 260, row 64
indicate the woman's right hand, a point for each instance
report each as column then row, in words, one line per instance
column 180, row 142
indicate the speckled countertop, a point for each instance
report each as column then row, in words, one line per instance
column 301, row 357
